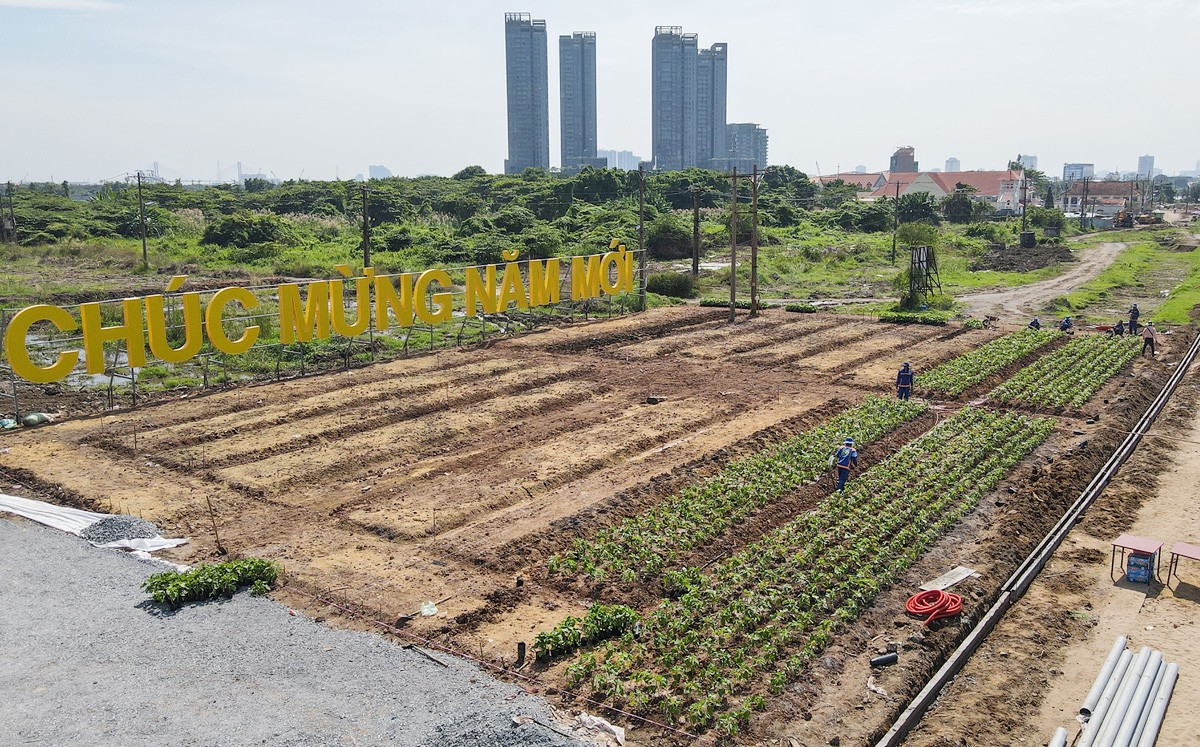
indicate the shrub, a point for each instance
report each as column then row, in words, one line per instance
column 993, row 233
column 719, row 303
column 915, row 317
column 676, row 284
column 667, row 237
column 244, row 229
column 801, row 308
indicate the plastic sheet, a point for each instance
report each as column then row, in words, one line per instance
column 73, row 521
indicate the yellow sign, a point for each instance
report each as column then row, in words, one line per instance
column 315, row 311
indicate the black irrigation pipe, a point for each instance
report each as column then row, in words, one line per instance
column 1017, row 584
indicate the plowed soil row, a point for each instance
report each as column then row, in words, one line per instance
column 450, row 476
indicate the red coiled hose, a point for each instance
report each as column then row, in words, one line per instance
column 935, row 603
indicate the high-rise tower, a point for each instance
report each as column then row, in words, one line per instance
column 577, row 100
column 528, row 94
column 673, row 92
column 712, row 78
column 689, row 87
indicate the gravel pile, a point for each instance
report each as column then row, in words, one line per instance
column 118, row 527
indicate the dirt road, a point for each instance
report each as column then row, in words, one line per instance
column 1029, row 300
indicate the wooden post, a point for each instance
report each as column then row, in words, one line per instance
column 213, row 518
column 754, row 243
column 142, row 219
column 733, row 228
column 642, row 236
column 695, row 232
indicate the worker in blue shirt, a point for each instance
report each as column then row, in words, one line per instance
column 904, row 381
column 844, row 458
column 1066, row 325
column 1035, row 324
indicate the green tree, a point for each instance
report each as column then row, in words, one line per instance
column 257, row 184
column 836, row 192
column 917, row 207
column 470, row 172
column 958, row 206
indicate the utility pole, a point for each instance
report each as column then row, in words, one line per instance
column 695, row 231
column 142, row 218
column 733, row 229
column 895, row 220
column 366, row 229
column 754, row 243
column 8, row 224
column 1024, row 194
column 642, row 234
column 1083, row 204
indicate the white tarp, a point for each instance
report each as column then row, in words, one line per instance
column 74, row 520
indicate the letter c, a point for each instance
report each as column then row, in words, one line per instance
column 18, row 353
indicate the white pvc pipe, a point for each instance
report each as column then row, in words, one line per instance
column 1092, row 729
column 1060, row 738
column 1159, row 709
column 1093, row 696
column 1116, row 714
column 1123, row 734
column 1141, row 724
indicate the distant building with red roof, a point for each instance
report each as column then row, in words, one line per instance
column 1103, row 197
column 1000, row 189
column 865, row 181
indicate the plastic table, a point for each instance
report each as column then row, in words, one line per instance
column 1180, row 550
column 1139, row 545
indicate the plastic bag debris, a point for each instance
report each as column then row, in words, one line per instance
column 35, row 418
column 8, row 424
column 596, row 723
column 429, row 609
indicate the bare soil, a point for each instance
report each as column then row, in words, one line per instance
column 1018, row 259
column 1012, row 304
column 452, row 477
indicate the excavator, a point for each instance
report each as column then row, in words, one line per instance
column 1123, row 219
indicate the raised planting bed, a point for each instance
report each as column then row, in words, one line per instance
column 759, row 619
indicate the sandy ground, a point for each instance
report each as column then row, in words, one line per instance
column 1032, row 673
column 1164, row 618
column 1013, row 304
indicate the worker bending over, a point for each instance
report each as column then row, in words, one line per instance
column 904, row 381
column 1035, row 324
column 844, row 458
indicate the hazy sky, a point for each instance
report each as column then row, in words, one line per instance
column 97, row 88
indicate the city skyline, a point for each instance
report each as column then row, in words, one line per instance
column 273, row 84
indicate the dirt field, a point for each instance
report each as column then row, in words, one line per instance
column 452, row 477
